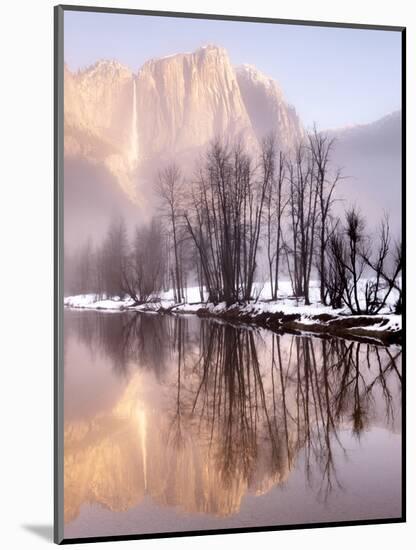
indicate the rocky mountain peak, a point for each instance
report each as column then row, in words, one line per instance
column 107, row 67
column 211, row 50
column 171, row 108
column 257, row 78
column 267, row 108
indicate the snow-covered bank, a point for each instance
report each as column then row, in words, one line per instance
column 285, row 314
column 385, row 329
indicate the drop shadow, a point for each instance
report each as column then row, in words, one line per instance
column 43, row 531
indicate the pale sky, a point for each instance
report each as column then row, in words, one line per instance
column 333, row 76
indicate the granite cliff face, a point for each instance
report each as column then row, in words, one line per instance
column 267, row 108
column 187, row 99
column 173, row 107
column 97, row 118
column 94, row 105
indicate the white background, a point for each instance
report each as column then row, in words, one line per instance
column 26, row 270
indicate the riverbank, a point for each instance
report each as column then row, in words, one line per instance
column 383, row 329
column 283, row 315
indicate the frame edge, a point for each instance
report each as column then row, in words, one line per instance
column 58, row 531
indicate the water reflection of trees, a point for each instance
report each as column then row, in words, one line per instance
column 256, row 400
column 261, row 400
column 128, row 340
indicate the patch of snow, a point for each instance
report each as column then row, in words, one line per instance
column 286, row 304
column 92, row 301
column 394, row 324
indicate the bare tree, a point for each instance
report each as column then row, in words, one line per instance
column 170, row 189
column 336, row 276
column 274, row 209
column 112, row 258
column 350, row 257
column 224, row 217
column 144, row 270
column 256, row 194
column 83, row 270
column 379, row 288
column 397, row 259
column 201, row 220
column 348, row 247
column 320, row 148
column 303, row 217
column 213, row 219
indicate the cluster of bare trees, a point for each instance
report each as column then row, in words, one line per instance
column 239, row 211
column 223, row 213
column 238, row 208
column 351, row 255
column 121, row 266
column 171, row 191
column 236, row 203
column 312, row 184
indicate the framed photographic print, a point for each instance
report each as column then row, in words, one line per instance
column 229, row 274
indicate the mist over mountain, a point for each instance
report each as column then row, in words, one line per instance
column 370, row 158
column 121, row 127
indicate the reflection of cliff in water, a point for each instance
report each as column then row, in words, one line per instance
column 210, row 412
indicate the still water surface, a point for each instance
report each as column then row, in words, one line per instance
column 178, row 424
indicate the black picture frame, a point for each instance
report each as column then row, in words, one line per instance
column 59, row 11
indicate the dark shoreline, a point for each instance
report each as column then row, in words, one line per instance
column 323, row 325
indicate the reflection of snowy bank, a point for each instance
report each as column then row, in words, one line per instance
column 287, row 313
